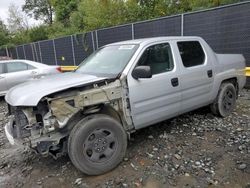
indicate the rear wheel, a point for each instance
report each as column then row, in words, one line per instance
column 225, row 101
column 97, row 144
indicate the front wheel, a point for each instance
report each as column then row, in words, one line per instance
column 97, row 144
column 225, row 101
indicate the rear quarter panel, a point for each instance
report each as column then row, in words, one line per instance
column 229, row 66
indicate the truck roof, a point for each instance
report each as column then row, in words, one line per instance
column 155, row 39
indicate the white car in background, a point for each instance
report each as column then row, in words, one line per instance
column 14, row 72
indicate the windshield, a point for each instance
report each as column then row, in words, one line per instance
column 108, row 61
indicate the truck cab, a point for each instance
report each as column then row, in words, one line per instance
column 182, row 80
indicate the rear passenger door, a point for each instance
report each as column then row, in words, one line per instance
column 196, row 76
column 3, row 86
column 155, row 99
column 18, row 72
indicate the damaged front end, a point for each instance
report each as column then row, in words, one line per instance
column 28, row 126
column 46, row 127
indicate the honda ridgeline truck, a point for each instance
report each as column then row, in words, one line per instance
column 90, row 113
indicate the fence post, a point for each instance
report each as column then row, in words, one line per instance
column 32, row 50
column 36, row 56
column 182, row 24
column 96, row 36
column 24, row 52
column 40, row 52
column 35, row 52
column 17, row 56
column 7, row 52
column 133, row 32
column 54, row 47
column 93, row 41
column 73, row 50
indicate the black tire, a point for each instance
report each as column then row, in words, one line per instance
column 97, row 144
column 225, row 101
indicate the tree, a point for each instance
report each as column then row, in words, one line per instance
column 16, row 20
column 39, row 10
column 57, row 29
column 64, row 8
column 93, row 14
column 38, row 33
column 3, row 34
column 77, row 16
column 77, row 21
column 20, row 38
column 199, row 5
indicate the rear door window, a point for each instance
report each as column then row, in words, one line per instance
column 17, row 67
column 191, row 53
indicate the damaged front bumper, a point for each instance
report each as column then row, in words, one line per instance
column 44, row 144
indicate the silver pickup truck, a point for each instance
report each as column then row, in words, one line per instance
column 89, row 114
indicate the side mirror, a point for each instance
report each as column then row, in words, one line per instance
column 142, row 72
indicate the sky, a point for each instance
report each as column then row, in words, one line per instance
column 4, row 5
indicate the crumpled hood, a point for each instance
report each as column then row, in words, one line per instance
column 30, row 93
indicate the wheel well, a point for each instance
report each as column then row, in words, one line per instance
column 108, row 110
column 101, row 109
column 234, row 82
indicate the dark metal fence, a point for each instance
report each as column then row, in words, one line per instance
column 226, row 29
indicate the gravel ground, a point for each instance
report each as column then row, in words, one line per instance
column 193, row 150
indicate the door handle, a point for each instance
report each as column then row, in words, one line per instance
column 1, row 77
column 175, row 82
column 210, row 73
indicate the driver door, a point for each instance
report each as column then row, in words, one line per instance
column 158, row 98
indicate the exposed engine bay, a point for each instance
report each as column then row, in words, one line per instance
column 45, row 128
